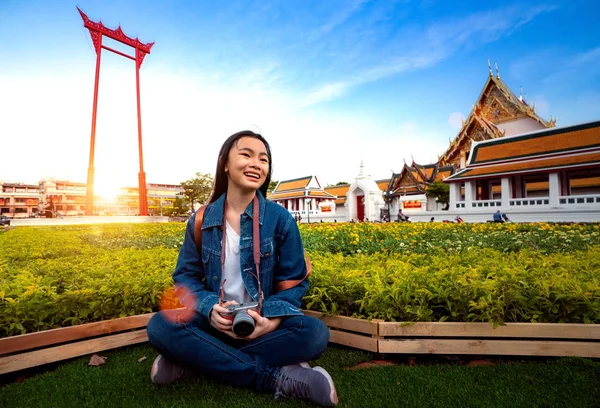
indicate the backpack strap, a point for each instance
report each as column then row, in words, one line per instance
column 288, row 284
column 198, row 228
column 279, row 286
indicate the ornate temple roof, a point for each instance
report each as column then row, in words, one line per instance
column 339, row 191
column 496, row 106
column 415, row 178
column 293, row 184
column 541, row 143
column 304, row 187
column 505, row 112
column 537, row 152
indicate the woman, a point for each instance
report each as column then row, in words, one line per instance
column 272, row 358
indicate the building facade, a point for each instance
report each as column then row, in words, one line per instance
column 304, row 197
column 59, row 198
column 496, row 114
column 18, row 200
column 551, row 175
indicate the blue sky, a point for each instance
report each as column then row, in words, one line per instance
column 328, row 83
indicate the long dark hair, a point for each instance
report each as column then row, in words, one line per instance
column 220, row 186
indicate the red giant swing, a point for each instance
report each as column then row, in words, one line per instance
column 97, row 30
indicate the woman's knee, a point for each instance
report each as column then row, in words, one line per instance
column 159, row 329
column 318, row 333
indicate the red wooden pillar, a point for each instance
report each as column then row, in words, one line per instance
column 141, row 175
column 89, row 198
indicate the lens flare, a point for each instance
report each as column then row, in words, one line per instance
column 171, row 307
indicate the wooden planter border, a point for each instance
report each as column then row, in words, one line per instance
column 34, row 349
column 348, row 331
column 513, row 339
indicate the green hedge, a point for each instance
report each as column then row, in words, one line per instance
column 477, row 286
column 59, row 276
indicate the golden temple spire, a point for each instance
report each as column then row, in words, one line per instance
column 497, row 72
column 521, row 95
column 490, row 68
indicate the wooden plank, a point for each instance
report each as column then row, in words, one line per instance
column 346, row 323
column 491, row 347
column 50, row 355
column 357, row 341
column 522, row 330
column 54, row 336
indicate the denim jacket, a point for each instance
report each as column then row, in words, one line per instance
column 281, row 258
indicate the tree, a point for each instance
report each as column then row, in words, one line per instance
column 197, row 189
column 339, row 183
column 179, row 207
column 440, row 191
column 272, row 186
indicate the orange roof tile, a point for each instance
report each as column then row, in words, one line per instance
column 538, row 143
column 529, row 165
column 383, row 184
column 293, row 184
column 319, row 193
column 286, row 194
column 338, row 190
column 443, row 174
column 300, row 194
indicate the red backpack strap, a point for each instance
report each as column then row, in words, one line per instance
column 288, row 284
column 198, row 228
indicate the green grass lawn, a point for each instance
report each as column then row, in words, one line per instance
column 125, row 382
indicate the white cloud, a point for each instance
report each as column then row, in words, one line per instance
column 422, row 47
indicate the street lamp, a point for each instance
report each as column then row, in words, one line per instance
column 307, row 201
column 388, row 197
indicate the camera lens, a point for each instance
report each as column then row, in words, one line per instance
column 243, row 324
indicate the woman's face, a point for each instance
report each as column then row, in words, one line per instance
column 247, row 164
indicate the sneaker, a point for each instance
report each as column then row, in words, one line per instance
column 165, row 372
column 314, row 384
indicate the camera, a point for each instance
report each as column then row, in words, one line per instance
column 243, row 323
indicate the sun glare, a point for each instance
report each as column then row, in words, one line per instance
column 106, row 190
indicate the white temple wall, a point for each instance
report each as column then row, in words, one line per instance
column 521, row 125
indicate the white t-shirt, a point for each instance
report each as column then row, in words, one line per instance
column 234, row 288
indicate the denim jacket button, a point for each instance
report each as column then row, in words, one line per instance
column 215, row 278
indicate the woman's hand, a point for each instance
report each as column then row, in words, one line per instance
column 218, row 321
column 263, row 326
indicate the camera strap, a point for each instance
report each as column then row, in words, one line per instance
column 279, row 286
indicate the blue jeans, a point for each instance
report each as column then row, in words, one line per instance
column 203, row 349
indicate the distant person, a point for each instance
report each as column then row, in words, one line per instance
column 49, row 210
column 505, row 218
column 401, row 216
column 459, row 220
column 264, row 348
column 432, row 219
column 498, row 216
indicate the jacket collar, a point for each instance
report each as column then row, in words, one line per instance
column 213, row 216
